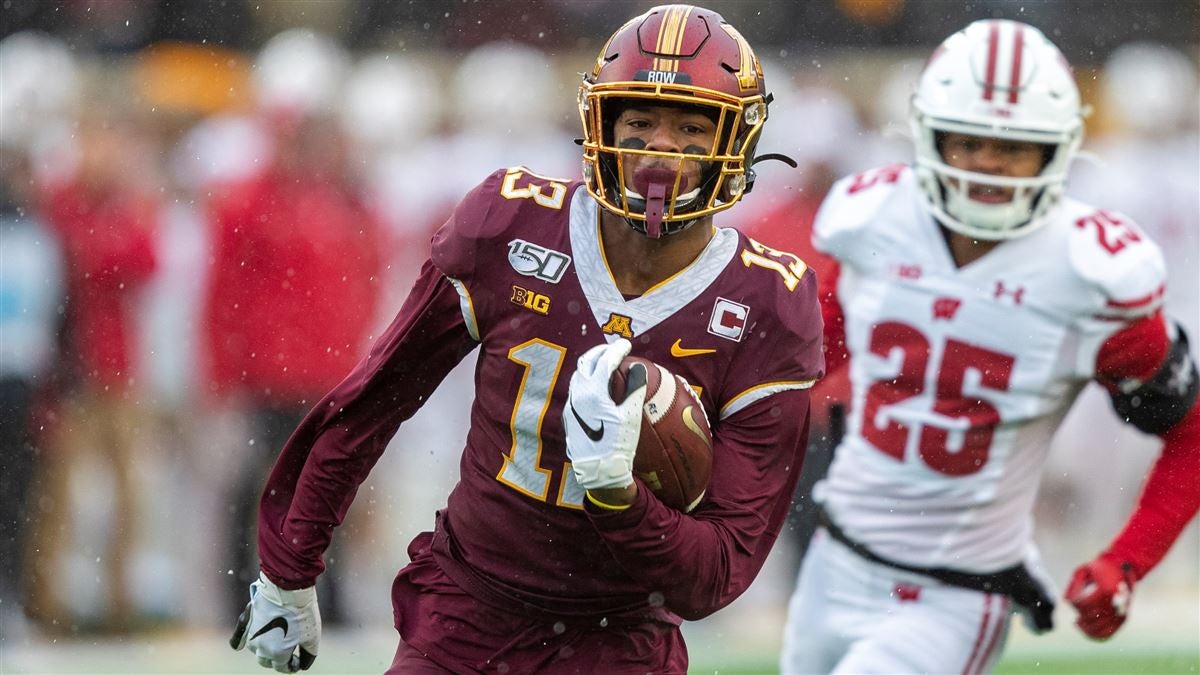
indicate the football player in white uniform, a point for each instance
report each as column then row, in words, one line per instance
column 973, row 301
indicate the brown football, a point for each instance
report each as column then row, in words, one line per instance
column 674, row 453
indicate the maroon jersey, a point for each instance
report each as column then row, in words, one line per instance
column 519, row 271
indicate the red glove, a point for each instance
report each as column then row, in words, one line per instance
column 1101, row 591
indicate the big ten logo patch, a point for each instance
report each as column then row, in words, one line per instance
column 618, row 324
column 536, row 261
column 531, row 300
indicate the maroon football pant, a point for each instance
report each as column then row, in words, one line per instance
column 450, row 629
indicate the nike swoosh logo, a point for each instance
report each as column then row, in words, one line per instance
column 594, row 434
column 680, row 352
column 277, row 622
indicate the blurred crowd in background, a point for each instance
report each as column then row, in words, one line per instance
column 208, row 210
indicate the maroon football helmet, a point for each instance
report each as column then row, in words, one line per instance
column 674, row 55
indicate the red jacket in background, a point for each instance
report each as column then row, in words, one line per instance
column 108, row 249
column 292, row 288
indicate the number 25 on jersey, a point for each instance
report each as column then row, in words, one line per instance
column 956, row 435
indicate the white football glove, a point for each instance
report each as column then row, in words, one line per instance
column 277, row 622
column 602, row 435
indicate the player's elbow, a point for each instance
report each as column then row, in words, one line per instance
column 693, row 606
column 693, row 612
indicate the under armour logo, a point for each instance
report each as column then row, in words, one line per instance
column 1015, row 293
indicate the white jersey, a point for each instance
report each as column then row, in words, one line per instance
column 961, row 375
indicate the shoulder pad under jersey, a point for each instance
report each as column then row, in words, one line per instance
column 781, row 349
column 852, row 204
column 506, row 199
column 1112, row 255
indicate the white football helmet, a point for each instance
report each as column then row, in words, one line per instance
column 300, row 71
column 40, row 84
column 999, row 79
column 386, row 103
column 507, row 87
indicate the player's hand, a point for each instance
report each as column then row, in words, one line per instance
column 602, row 435
column 1101, row 591
column 276, row 623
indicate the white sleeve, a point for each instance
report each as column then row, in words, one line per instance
column 849, row 208
column 1125, row 273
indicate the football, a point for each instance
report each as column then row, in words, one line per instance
column 674, row 452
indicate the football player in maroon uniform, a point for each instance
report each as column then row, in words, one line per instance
column 549, row 554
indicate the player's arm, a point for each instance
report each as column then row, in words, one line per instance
column 1150, row 375
column 842, row 224
column 702, row 561
column 318, row 473
column 834, row 341
column 337, row 444
column 320, row 468
column 328, row 456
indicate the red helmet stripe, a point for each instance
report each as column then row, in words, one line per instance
column 989, row 84
column 1014, row 83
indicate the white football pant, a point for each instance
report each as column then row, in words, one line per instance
column 850, row 615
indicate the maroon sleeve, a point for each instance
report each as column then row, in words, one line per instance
column 329, row 455
column 455, row 244
column 721, row 546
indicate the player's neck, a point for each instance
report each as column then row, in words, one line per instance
column 966, row 250
column 638, row 263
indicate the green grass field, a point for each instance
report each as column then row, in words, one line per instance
column 347, row 653
column 1157, row 664
column 1160, row 663
column 1109, row 664
column 1165, row 641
